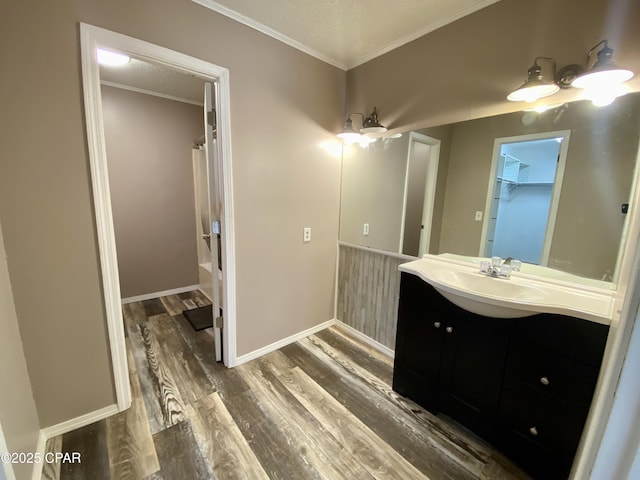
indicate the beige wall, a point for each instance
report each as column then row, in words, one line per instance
column 466, row 69
column 18, row 415
column 373, row 189
column 285, row 110
column 149, row 142
column 373, row 179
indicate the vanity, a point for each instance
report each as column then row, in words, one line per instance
column 514, row 360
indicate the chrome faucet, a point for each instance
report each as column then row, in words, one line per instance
column 497, row 268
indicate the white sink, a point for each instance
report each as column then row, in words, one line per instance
column 516, row 297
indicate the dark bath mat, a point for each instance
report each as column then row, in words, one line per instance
column 200, row 318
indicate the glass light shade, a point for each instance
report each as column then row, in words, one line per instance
column 348, row 134
column 533, row 90
column 349, row 137
column 371, row 124
column 602, row 76
column 602, row 96
column 379, row 129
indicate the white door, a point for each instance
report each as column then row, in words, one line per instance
column 213, row 176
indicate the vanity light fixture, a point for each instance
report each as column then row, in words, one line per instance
column 370, row 124
column 535, row 87
column 604, row 70
column 112, row 59
column 603, row 81
column 348, row 134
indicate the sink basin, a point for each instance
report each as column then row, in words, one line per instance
column 520, row 296
column 461, row 288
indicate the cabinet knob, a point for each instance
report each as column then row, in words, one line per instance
column 544, row 381
column 533, row 431
column 449, row 329
column 436, row 324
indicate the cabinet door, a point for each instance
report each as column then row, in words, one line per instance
column 473, row 360
column 418, row 344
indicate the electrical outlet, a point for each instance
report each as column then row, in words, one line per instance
column 479, row 216
column 365, row 230
column 306, row 234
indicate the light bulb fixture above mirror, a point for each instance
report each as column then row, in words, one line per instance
column 370, row 124
column 535, row 87
column 602, row 82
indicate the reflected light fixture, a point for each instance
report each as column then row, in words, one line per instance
column 370, row 124
column 112, row 59
column 603, row 81
column 535, row 87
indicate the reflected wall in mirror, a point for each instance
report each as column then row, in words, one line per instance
column 586, row 233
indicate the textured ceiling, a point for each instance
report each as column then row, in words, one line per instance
column 346, row 33
column 155, row 78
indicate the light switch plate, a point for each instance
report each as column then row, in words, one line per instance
column 365, row 230
column 479, row 216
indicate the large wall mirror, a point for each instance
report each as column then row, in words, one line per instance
column 551, row 188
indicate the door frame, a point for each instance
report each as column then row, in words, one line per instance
column 555, row 194
column 92, row 37
column 431, row 181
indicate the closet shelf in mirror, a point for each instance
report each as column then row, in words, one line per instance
column 518, row 184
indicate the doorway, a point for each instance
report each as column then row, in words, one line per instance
column 523, row 195
column 93, row 38
column 419, row 194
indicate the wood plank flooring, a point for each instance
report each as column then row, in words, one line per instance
column 321, row 408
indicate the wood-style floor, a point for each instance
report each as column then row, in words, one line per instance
column 321, row 408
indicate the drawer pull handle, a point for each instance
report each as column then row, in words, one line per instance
column 449, row 329
column 436, row 324
column 544, row 381
column 533, row 431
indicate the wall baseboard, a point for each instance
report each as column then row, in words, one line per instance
column 164, row 293
column 366, row 339
column 282, row 343
column 79, row 422
column 66, row 427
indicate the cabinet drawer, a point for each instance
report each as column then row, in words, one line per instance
column 540, row 435
column 535, row 370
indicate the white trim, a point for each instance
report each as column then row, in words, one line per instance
column 401, row 256
column 150, row 92
column 7, row 467
column 227, row 217
column 336, row 283
column 365, row 339
column 163, row 293
column 104, row 216
column 431, row 180
column 79, row 422
column 283, row 343
column 555, row 194
column 91, row 38
column 41, row 447
column 260, row 27
column 238, row 17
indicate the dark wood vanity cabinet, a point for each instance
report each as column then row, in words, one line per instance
column 523, row 384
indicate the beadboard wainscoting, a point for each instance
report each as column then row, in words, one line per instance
column 368, row 286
